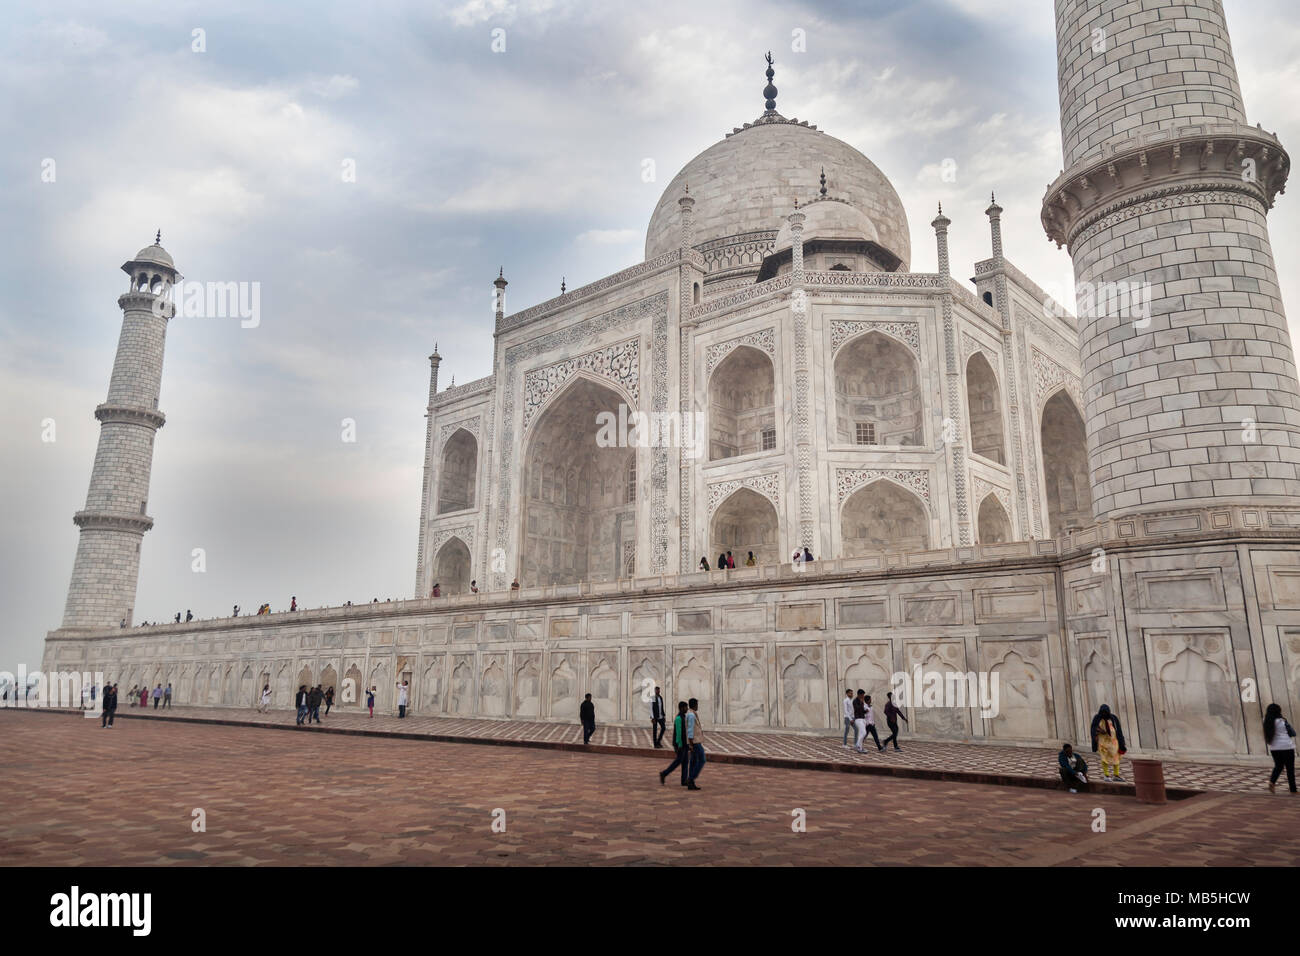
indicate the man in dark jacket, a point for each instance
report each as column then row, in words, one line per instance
column 300, row 702
column 313, row 703
column 587, row 713
column 892, row 713
column 1073, row 769
column 108, row 705
column 658, row 719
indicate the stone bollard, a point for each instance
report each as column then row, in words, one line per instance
column 1149, row 781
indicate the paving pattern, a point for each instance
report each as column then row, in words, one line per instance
column 76, row 794
column 978, row 760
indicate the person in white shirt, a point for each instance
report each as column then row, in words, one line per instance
column 1280, row 738
column 265, row 705
column 848, row 716
column 401, row 699
column 870, row 719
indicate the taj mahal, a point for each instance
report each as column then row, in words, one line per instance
column 1101, row 508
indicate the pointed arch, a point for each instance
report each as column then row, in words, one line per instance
column 746, row 521
column 984, row 409
column 878, row 398
column 992, row 522
column 458, row 472
column 1064, row 444
column 742, row 404
column 452, row 567
column 883, row 516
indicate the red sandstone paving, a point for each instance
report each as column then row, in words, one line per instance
column 76, row 794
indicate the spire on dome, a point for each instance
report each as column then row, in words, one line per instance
column 561, row 285
column 823, row 191
column 157, row 240
column 769, row 91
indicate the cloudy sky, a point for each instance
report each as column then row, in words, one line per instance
column 466, row 159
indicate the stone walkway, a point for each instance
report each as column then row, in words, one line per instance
column 78, row 795
column 982, row 763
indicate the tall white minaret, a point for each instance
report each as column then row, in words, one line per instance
column 1189, row 376
column 113, row 523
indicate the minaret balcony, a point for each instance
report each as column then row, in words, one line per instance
column 107, row 521
column 130, row 415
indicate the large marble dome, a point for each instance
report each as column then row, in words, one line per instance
column 746, row 185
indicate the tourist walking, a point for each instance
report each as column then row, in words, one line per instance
column 1108, row 742
column 189, row 615
column 401, row 699
column 658, row 719
column 157, row 696
column 314, row 702
column 695, row 738
column 587, row 714
column 300, row 701
column 860, row 719
column 370, row 700
column 265, row 703
column 870, row 717
column 892, row 714
column 144, row 696
column 848, row 715
column 1279, row 735
column 1073, row 769
column 109, row 705
column 329, row 700
column 683, row 755
column 167, row 696
column 133, row 695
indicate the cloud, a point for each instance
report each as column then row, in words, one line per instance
column 611, row 237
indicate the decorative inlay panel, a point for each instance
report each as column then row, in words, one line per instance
column 464, row 532
column 471, row 425
column 764, row 340
column 849, row 480
column 982, row 488
column 619, row 363
column 1048, row 376
column 769, row 486
column 909, row 333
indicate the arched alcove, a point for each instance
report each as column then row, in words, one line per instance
column 984, row 406
column 994, row 527
column 742, row 410
column 882, row 516
column 746, row 522
column 458, row 473
column 451, row 571
column 877, row 393
column 1065, row 466
column 576, row 513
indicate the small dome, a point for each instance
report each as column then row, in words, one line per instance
column 829, row 219
column 155, row 254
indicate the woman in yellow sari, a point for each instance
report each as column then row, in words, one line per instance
column 1108, row 743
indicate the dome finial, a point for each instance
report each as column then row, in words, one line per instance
column 823, row 181
column 769, row 91
column 157, row 240
column 561, row 285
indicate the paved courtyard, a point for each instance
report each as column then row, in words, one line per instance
column 972, row 761
column 76, row 794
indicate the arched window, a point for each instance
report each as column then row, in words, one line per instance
column 984, row 406
column 1065, row 466
column 459, row 472
column 877, row 393
column 882, row 516
column 988, row 298
column 741, row 404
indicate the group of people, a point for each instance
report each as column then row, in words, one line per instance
column 860, row 720
column 727, row 562
column 162, row 696
column 308, row 701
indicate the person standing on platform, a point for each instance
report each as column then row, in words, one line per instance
column 1279, row 735
column 167, row 696
column 848, row 715
column 402, row 691
column 658, row 719
column 871, row 723
column 329, row 700
column 1108, row 742
column 892, row 713
column 587, row 714
column 301, row 703
column 265, row 703
column 370, row 701
column 683, row 758
column 314, row 697
column 157, row 696
column 860, row 718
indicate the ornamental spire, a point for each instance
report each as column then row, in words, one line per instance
column 823, row 182
column 769, row 91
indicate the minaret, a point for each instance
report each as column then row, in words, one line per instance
column 1188, row 371
column 434, row 361
column 113, row 523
